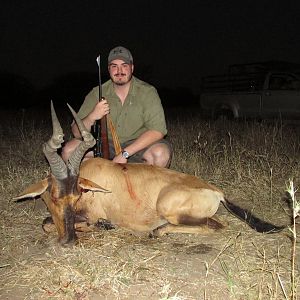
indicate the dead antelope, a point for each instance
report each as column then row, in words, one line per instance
column 139, row 197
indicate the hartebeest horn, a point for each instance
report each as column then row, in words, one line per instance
column 57, row 165
column 87, row 143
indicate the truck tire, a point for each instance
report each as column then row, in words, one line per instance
column 223, row 112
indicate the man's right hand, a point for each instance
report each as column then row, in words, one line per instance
column 100, row 110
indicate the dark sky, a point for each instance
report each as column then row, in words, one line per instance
column 179, row 41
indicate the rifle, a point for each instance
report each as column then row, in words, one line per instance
column 99, row 128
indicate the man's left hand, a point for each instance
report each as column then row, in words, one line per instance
column 120, row 159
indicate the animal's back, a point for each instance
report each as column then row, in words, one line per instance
column 106, row 172
column 135, row 189
column 131, row 202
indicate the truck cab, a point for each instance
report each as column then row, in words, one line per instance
column 281, row 95
column 255, row 93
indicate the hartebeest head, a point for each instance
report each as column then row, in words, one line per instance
column 62, row 189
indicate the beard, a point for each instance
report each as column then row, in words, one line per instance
column 121, row 80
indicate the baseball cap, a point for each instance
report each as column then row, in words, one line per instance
column 120, row 53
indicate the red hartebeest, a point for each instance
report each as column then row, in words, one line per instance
column 135, row 196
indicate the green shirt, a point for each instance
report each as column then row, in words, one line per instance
column 141, row 111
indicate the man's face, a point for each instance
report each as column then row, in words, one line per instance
column 120, row 72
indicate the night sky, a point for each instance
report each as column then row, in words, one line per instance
column 175, row 44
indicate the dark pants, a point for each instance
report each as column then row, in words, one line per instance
column 137, row 157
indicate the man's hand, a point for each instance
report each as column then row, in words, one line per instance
column 120, row 159
column 100, row 110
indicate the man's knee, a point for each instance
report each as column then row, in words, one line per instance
column 69, row 148
column 158, row 155
column 66, row 152
column 161, row 151
column 163, row 156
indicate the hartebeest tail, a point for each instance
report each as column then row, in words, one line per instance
column 254, row 222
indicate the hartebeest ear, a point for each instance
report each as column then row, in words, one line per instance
column 34, row 190
column 91, row 186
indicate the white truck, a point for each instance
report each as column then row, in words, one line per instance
column 252, row 90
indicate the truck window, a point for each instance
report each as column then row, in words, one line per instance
column 283, row 82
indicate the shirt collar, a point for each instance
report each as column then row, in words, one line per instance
column 132, row 88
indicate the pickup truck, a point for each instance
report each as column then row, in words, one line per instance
column 263, row 95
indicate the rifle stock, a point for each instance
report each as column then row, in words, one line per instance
column 99, row 132
column 96, row 129
column 104, row 138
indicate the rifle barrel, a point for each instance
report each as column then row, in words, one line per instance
column 102, row 146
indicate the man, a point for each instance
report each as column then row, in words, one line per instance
column 136, row 111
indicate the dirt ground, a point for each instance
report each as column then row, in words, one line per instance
column 235, row 263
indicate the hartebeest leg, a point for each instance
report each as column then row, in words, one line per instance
column 188, row 210
column 100, row 225
column 80, row 225
column 49, row 226
column 205, row 226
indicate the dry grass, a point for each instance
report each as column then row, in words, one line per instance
column 251, row 161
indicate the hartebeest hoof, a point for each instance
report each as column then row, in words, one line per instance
column 105, row 224
column 48, row 225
